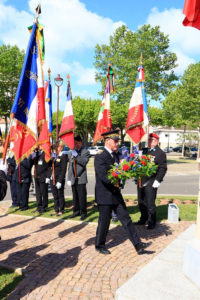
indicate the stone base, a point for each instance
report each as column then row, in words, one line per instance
column 191, row 266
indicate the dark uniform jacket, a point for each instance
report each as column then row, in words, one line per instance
column 60, row 167
column 26, row 166
column 41, row 167
column 81, row 161
column 11, row 168
column 161, row 161
column 105, row 192
column 3, row 185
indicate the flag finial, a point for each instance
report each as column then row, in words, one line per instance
column 49, row 74
column 38, row 11
column 68, row 77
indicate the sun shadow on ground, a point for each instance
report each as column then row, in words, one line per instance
column 43, row 269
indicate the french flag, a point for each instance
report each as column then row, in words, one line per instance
column 137, row 119
column 68, row 126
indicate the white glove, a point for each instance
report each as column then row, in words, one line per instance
column 69, row 183
column 33, row 155
column 47, row 180
column 3, row 167
column 58, row 185
column 156, row 184
column 74, row 153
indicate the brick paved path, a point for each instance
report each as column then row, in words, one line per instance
column 60, row 262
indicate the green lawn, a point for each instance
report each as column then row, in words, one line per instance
column 8, row 282
column 187, row 212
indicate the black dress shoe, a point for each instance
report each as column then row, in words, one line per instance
column 24, row 208
column 102, row 250
column 76, row 214
column 151, row 226
column 115, row 219
column 140, row 222
column 141, row 246
column 83, row 217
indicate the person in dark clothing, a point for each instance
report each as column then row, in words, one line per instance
column 41, row 180
column 109, row 197
column 60, row 167
column 10, row 177
column 22, row 176
column 77, row 177
column 3, row 183
column 149, row 185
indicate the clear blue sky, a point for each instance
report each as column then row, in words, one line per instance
column 74, row 27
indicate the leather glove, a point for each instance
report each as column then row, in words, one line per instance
column 74, row 153
column 69, row 183
column 58, row 185
column 33, row 155
column 47, row 180
column 156, row 184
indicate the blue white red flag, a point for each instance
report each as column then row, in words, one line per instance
column 137, row 120
column 28, row 107
column 104, row 117
column 68, row 126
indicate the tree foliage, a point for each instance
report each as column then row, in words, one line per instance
column 11, row 62
column 182, row 105
column 123, row 52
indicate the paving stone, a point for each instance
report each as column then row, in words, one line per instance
column 59, row 265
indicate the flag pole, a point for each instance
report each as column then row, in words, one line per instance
column 53, row 166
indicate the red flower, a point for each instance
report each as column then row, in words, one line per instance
column 126, row 167
column 114, row 174
column 148, row 158
column 143, row 162
column 132, row 155
column 132, row 162
column 144, row 157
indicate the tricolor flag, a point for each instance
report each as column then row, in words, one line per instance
column 29, row 126
column 67, row 127
column 192, row 12
column 137, row 118
column 48, row 106
column 104, row 118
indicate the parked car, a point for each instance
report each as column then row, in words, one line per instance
column 179, row 149
column 168, row 149
column 94, row 150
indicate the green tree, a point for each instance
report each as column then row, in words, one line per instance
column 85, row 116
column 123, row 52
column 119, row 116
column 156, row 116
column 11, row 62
column 182, row 105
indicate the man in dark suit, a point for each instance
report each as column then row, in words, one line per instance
column 41, row 180
column 109, row 197
column 148, row 191
column 77, row 177
column 10, row 177
column 22, row 176
column 60, row 167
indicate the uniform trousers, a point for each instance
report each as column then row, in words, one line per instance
column 41, row 189
column 13, row 189
column 146, row 203
column 59, row 199
column 23, row 194
column 105, row 212
column 79, row 198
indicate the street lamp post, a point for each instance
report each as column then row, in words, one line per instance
column 58, row 82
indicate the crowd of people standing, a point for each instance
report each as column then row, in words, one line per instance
column 108, row 197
